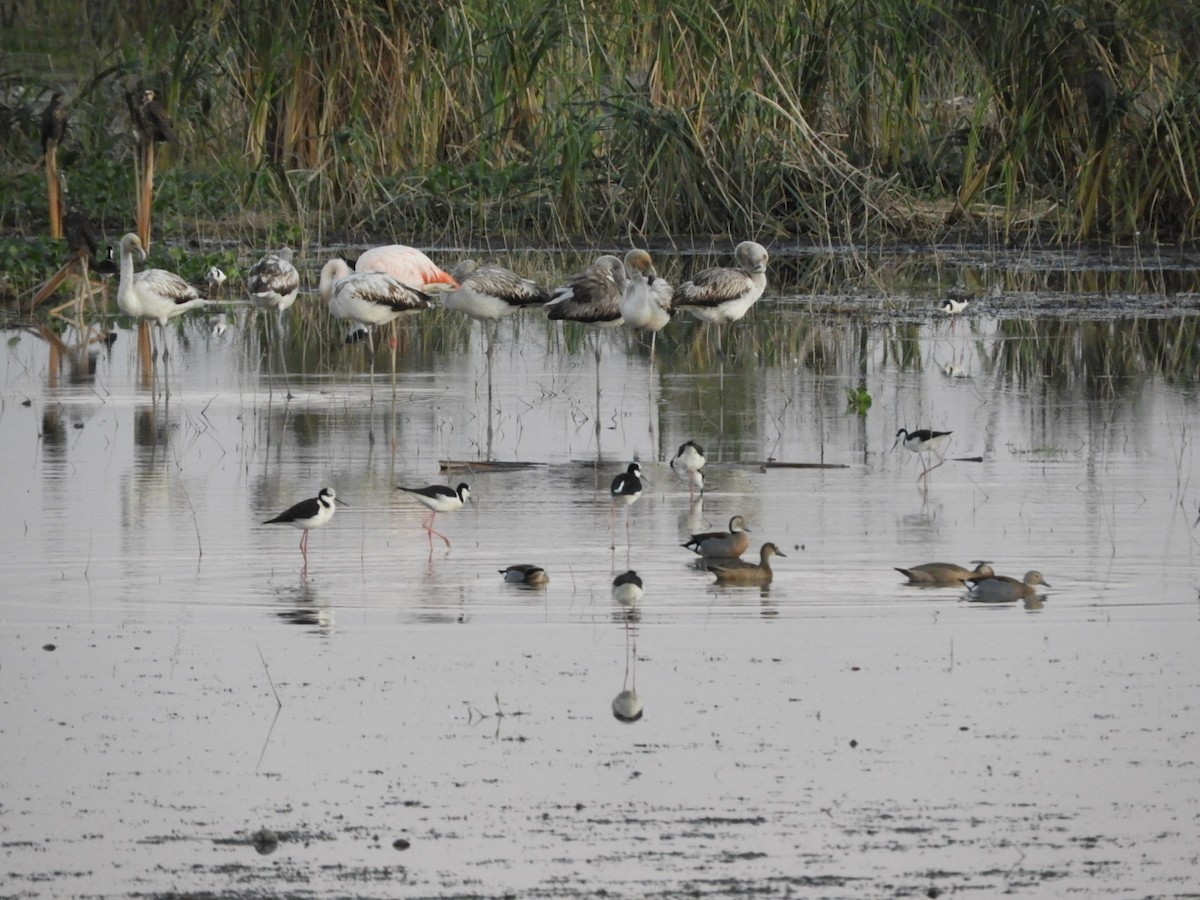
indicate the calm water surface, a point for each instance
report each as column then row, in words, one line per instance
column 838, row 735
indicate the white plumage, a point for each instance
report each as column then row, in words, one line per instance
column 154, row 294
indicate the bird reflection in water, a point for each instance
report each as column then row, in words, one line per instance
column 627, row 591
column 303, row 607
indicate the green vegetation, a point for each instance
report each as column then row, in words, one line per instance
column 531, row 120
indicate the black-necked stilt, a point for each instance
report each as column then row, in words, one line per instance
column 738, row 571
column 108, row 265
column 1003, row 588
column 273, row 283
column 646, row 299
column 722, row 544
column 690, row 456
column 952, row 306
column 408, row 265
column 624, row 491
column 627, row 486
column 153, row 294
column 627, row 588
column 924, row 441
column 944, row 574
column 525, row 573
column 438, row 498
column 307, row 515
column 721, row 295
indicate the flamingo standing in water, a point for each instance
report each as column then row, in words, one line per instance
column 273, row 283
column 154, row 294
column 368, row 299
column 646, row 300
column 721, row 294
column 408, row 265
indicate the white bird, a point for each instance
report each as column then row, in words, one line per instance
column 153, row 294
column 370, row 299
column 721, row 294
column 273, row 283
column 491, row 292
column 690, row 456
column 646, row 300
column 952, row 306
column 408, row 265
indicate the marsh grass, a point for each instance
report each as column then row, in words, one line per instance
column 823, row 121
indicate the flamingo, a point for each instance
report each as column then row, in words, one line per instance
column 408, row 265
column 369, row 299
column 593, row 296
column 273, row 283
column 489, row 292
column 153, row 294
column 720, row 294
column 646, row 300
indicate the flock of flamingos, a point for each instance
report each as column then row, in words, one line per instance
column 388, row 282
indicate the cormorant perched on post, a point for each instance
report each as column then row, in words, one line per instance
column 54, row 121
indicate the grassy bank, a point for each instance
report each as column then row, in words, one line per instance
column 520, row 120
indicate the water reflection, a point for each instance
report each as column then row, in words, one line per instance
column 627, row 592
column 303, row 605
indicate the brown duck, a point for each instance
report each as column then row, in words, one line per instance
column 738, row 571
column 945, row 574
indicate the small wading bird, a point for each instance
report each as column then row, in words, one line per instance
column 1003, row 588
column 924, row 441
column 438, row 498
column 526, row 574
column 738, row 571
column 938, row 574
column 721, row 295
column 625, row 490
column 307, row 515
column 721, row 545
column 272, row 284
column 153, row 294
column 953, row 307
column 690, row 457
column 408, row 265
column 646, row 299
column 627, row 588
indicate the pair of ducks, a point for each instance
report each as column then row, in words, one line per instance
column 986, row 585
column 721, row 552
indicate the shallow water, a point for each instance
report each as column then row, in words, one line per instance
column 839, row 734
